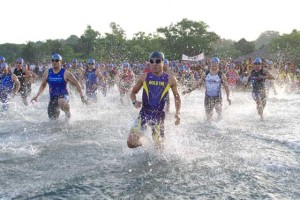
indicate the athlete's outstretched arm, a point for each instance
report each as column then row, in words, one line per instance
column 70, row 77
column 136, row 88
column 16, row 84
column 225, row 85
column 100, row 75
column 28, row 74
column 268, row 75
column 198, row 84
column 173, row 85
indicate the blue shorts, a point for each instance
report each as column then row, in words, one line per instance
column 154, row 119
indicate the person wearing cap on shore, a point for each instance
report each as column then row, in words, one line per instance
column 126, row 81
column 57, row 78
column 167, row 66
column 213, row 79
column 103, row 84
column 257, row 78
column 2, row 60
column 77, row 71
column 24, row 76
column 113, row 76
column 156, row 85
column 9, row 85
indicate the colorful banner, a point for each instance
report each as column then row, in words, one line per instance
column 193, row 58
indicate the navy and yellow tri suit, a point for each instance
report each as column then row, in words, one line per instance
column 25, row 86
column 155, row 91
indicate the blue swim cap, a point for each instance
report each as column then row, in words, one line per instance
column 20, row 60
column 2, row 58
column 157, row 54
column 56, row 56
column 257, row 61
column 215, row 60
column 91, row 60
column 125, row 64
column 74, row 60
column 166, row 61
column 4, row 65
column 182, row 68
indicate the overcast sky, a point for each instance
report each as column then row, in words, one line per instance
column 38, row 20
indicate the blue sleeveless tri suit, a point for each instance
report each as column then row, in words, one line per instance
column 6, row 88
column 57, row 89
column 91, row 83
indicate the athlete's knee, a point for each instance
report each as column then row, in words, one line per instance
column 130, row 144
column 133, row 143
column 218, row 107
column 133, row 140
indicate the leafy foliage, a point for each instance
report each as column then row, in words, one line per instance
column 188, row 37
column 287, row 46
column 265, row 38
column 244, row 46
column 225, row 49
column 185, row 37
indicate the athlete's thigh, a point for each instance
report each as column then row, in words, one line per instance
column 63, row 99
column 209, row 104
column 53, row 108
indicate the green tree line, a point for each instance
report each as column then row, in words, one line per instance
column 185, row 37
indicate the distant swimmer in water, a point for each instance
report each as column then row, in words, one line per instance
column 91, row 76
column 257, row 78
column 126, row 81
column 9, row 85
column 156, row 85
column 24, row 77
column 57, row 78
